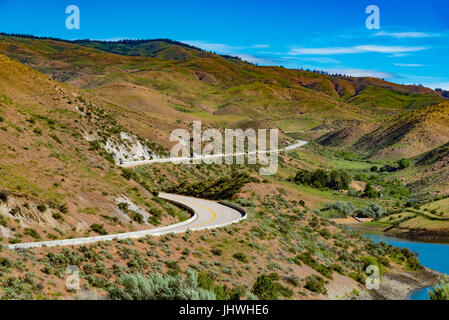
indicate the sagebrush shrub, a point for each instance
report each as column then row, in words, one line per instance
column 159, row 287
column 340, row 208
column 440, row 291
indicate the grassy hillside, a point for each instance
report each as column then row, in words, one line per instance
column 409, row 135
column 431, row 172
column 207, row 87
column 57, row 178
column 389, row 101
column 157, row 48
column 198, row 83
column 70, row 112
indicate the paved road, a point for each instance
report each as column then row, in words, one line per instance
column 298, row 144
column 205, row 215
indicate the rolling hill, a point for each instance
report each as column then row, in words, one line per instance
column 431, row 172
column 409, row 135
column 213, row 86
column 59, row 145
column 70, row 111
column 58, row 148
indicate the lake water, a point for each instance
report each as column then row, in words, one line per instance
column 432, row 255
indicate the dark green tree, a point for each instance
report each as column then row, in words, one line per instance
column 264, row 288
column 338, row 180
column 303, row 177
column 370, row 192
column 320, row 178
column 403, row 164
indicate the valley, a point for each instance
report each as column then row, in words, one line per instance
column 84, row 152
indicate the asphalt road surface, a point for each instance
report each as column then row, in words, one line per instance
column 206, row 214
column 130, row 164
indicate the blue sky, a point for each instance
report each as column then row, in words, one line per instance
column 411, row 46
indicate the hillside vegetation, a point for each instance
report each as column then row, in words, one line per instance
column 58, row 178
column 71, row 111
column 409, row 135
column 194, row 83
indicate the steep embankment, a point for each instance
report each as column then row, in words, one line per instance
column 431, row 172
column 409, row 135
column 58, row 179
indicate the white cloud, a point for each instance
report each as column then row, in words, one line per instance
column 409, row 65
column 276, row 53
column 215, row 47
column 321, row 51
column 441, row 85
column 398, row 55
column 401, row 35
column 222, row 48
column 261, row 46
column 251, row 58
column 389, row 49
column 321, row 60
column 353, row 50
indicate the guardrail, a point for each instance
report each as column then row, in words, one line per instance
column 222, row 225
column 233, row 206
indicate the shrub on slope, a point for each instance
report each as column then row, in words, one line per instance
column 160, row 287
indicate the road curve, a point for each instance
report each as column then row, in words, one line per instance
column 130, row 164
column 206, row 214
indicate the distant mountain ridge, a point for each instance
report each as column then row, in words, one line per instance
column 175, row 83
column 130, row 47
column 151, row 47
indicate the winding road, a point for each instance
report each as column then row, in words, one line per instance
column 206, row 214
column 130, row 164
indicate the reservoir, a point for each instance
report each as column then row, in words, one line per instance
column 431, row 255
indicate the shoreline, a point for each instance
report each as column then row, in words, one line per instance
column 437, row 236
column 401, row 285
column 419, row 235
